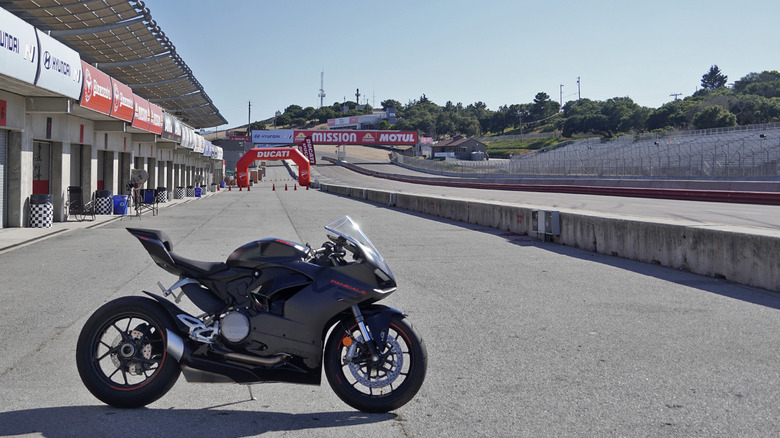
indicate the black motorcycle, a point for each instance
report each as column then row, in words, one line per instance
column 275, row 311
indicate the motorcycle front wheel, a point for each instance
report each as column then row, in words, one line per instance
column 121, row 353
column 376, row 387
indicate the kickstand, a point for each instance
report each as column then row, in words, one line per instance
column 251, row 396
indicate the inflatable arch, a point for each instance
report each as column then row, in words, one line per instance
column 242, row 167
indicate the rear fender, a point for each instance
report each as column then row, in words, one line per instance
column 173, row 310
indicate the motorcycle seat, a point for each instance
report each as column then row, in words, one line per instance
column 196, row 268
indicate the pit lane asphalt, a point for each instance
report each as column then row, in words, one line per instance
column 525, row 338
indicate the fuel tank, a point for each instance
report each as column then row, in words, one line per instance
column 266, row 251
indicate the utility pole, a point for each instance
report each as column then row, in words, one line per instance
column 675, row 95
column 249, row 120
column 579, row 95
column 561, row 96
column 357, row 96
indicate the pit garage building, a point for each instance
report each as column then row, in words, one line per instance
column 90, row 91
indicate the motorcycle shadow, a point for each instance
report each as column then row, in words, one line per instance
column 72, row 421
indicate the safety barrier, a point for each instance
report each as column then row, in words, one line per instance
column 737, row 255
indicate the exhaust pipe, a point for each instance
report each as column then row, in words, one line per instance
column 174, row 345
column 257, row 360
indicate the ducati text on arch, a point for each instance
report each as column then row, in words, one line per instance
column 274, row 311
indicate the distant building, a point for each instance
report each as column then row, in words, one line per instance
column 460, row 148
column 370, row 121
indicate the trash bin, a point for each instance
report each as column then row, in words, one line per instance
column 120, row 204
column 162, row 194
column 190, row 191
column 213, row 187
column 41, row 211
column 198, row 192
column 222, row 184
column 178, row 193
column 103, row 202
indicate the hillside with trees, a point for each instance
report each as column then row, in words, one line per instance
column 752, row 99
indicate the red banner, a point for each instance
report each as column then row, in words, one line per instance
column 307, row 149
column 96, row 91
column 141, row 117
column 122, row 105
column 155, row 119
column 358, row 137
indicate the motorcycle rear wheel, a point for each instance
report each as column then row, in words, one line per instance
column 121, row 353
column 380, row 388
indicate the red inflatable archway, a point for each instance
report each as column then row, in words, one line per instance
column 265, row 154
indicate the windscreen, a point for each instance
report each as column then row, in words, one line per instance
column 347, row 228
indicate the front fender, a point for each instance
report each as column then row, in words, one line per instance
column 377, row 319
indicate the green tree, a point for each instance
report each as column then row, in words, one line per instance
column 751, row 109
column 753, row 78
column 257, row 126
column 293, row 111
column 714, row 117
column 713, row 79
column 543, row 107
column 283, row 120
column 323, row 114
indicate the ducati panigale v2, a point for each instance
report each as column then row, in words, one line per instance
column 275, row 311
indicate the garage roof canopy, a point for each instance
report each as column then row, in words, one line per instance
column 121, row 38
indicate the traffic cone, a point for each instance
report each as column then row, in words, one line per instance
column 285, row 187
column 307, row 187
column 295, row 188
column 273, row 189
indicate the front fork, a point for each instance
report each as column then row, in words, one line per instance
column 361, row 322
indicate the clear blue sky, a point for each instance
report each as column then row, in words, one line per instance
column 500, row 52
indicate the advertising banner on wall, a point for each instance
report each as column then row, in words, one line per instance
column 60, row 67
column 123, row 105
column 186, row 138
column 156, row 119
column 96, row 92
column 177, row 126
column 141, row 115
column 358, row 137
column 275, row 136
column 167, row 127
column 199, row 146
column 18, row 48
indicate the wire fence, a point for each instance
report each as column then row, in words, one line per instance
column 743, row 152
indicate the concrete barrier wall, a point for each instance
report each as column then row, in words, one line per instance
column 738, row 256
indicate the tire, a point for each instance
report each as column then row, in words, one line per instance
column 393, row 384
column 121, row 354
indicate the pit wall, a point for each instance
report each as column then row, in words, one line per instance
column 734, row 255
